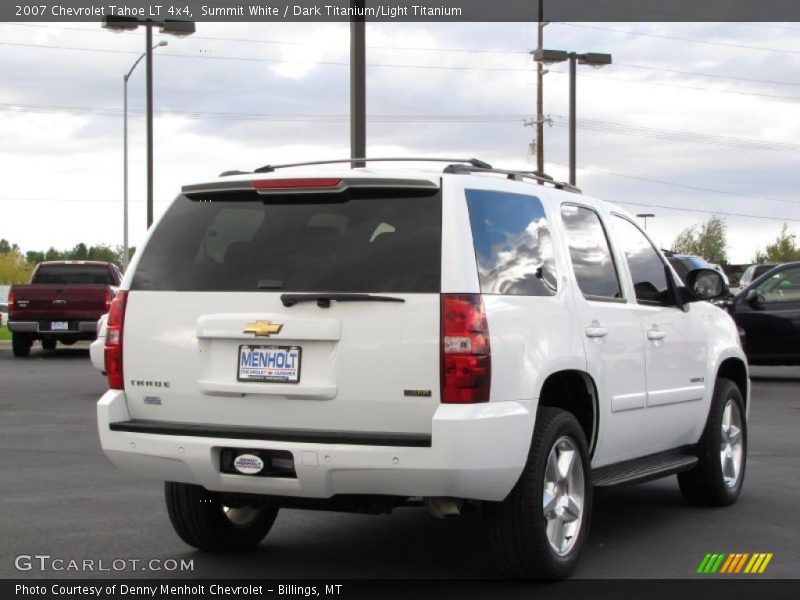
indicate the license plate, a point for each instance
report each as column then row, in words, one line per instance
column 269, row 364
column 59, row 326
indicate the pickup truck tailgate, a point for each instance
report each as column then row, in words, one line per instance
column 59, row 302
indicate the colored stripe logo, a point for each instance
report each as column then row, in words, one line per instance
column 734, row 563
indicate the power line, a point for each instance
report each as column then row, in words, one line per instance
column 682, row 185
column 298, row 43
column 682, row 87
column 424, row 49
column 711, row 75
column 707, row 212
column 684, row 209
column 677, row 135
column 681, row 39
column 267, row 60
column 482, row 118
column 399, row 66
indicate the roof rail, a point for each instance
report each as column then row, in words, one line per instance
column 538, row 176
column 457, row 165
column 474, row 162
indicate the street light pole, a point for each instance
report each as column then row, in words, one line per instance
column 125, row 78
column 167, row 26
column 592, row 59
column 645, row 216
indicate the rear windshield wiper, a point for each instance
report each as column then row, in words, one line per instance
column 324, row 300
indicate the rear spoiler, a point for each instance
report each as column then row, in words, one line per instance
column 306, row 185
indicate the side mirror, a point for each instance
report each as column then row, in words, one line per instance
column 751, row 297
column 706, row 284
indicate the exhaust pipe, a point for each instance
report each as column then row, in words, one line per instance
column 441, row 507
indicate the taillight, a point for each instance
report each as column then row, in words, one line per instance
column 113, row 348
column 109, row 298
column 466, row 356
column 10, row 299
column 290, row 184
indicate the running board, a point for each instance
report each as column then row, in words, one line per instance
column 646, row 468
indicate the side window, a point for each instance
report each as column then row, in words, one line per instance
column 590, row 253
column 781, row 287
column 512, row 244
column 647, row 269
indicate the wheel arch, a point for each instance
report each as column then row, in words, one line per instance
column 575, row 391
column 735, row 369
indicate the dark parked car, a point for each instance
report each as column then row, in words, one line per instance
column 768, row 315
column 753, row 272
column 683, row 263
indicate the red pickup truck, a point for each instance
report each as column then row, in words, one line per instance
column 62, row 303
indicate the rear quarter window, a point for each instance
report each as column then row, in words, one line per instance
column 373, row 241
column 512, row 242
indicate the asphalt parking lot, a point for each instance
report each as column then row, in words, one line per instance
column 62, row 497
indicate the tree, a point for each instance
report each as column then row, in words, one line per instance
column 6, row 246
column 708, row 240
column 784, row 249
column 14, row 268
column 53, row 254
column 34, row 257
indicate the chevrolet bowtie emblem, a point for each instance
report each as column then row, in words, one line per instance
column 263, row 328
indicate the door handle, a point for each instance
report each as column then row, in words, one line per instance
column 595, row 331
column 655, row 334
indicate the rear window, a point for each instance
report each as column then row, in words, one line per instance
column 73, row 275
column 759, row 270
column 379, row 241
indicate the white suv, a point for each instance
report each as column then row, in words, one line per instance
column 361, row 339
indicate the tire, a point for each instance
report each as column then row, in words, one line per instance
column 200, row 520
column 518, row 526
column 718, row 477
column 49, row 344
column 21, row 344
column 68, row 342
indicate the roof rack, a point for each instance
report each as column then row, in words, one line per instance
column 516, row 176
column 468, row 161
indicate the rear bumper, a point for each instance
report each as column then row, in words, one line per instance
column 77, row 328
column 474, row 451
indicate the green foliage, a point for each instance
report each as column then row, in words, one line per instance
column 708, row 240
column 6, row 246
column 783, row 249
column 14, row 268
column 81, row 251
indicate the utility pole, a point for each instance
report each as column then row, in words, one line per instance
column 540, row 96
column 149, row 109
column 358, row 87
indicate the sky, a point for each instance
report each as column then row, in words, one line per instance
column 690, row 120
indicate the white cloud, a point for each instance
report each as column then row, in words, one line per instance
column 53, row 154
